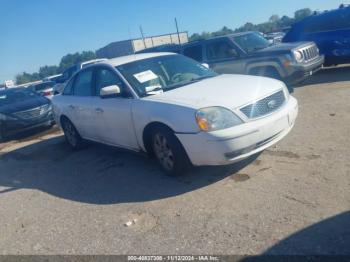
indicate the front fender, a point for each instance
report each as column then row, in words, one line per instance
column 261, row 63
column 180, row 118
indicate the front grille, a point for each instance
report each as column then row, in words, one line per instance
column 264, row 106
column 310, row 53
column 33, row 113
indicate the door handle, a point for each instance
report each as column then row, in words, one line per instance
column 71, row 107
column 99, row 110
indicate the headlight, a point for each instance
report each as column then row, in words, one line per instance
column 215, row 118
column 298, row 55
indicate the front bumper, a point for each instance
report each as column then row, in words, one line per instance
column 237, row 143
column 300, row 72
column 12, row 127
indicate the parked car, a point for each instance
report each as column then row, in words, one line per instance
column 44, row 88
column 329, row 30
column 250, row 53
column 69, row 72
column 275, row 38
column 175, row 108
column 22, row 109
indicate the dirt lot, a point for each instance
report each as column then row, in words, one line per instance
column 292, row 199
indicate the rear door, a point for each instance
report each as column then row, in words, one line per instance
column 223, row 56
column 80, row 106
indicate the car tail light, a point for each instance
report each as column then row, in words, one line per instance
column 47, row 93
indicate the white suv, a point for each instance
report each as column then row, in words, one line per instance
column 176, row 109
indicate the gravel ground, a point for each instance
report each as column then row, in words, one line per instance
column 292, row 199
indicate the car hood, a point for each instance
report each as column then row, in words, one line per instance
column 24, row 105
column 282, row 47
column 230, row 91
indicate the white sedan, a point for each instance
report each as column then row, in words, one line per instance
column 175, row 109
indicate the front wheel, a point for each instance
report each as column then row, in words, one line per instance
column 169, row 152
column 71, row 134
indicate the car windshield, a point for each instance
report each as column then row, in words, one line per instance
column 163, row 73
column 15, row 95
column 251, row 42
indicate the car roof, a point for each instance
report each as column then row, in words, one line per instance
column 92, row 61
column 44, row 83
column 132, row 58
column 320, row 15
column 217, row 37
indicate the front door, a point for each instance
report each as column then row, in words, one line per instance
column 223, row 57
column 113, row 115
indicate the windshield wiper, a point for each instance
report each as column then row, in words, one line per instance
column 193, row 80
column 197, row 79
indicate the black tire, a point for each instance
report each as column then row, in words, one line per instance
column 72, row 135
column 169, row 152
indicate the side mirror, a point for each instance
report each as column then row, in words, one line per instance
column 110, row 91
column 205, row 65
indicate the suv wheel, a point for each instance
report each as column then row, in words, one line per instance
column 71, row 134
column 169, row 152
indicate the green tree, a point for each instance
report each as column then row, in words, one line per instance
column 203, row 35
column 46, row 71
column 26, row 78
column 72, row 59
column 302, row 13
column 274, row 19
column 286, row 21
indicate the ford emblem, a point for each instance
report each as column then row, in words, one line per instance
column 272, row 104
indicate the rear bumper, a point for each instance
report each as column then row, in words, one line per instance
column 237, row 143
column 301, row 72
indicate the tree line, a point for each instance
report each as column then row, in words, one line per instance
column 45, row 71
column 274, row 24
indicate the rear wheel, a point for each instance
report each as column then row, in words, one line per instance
column 169, row 152
column 71, row 134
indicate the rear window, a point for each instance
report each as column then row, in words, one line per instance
column 15, row 95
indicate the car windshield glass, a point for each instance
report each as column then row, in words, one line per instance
column 15, row 95
column 163, row 73
column 251, row 42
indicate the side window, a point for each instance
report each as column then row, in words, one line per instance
column 82, row 84
column 194, row 52
column 220, row 50
column 68, row 88
column 106, row 77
